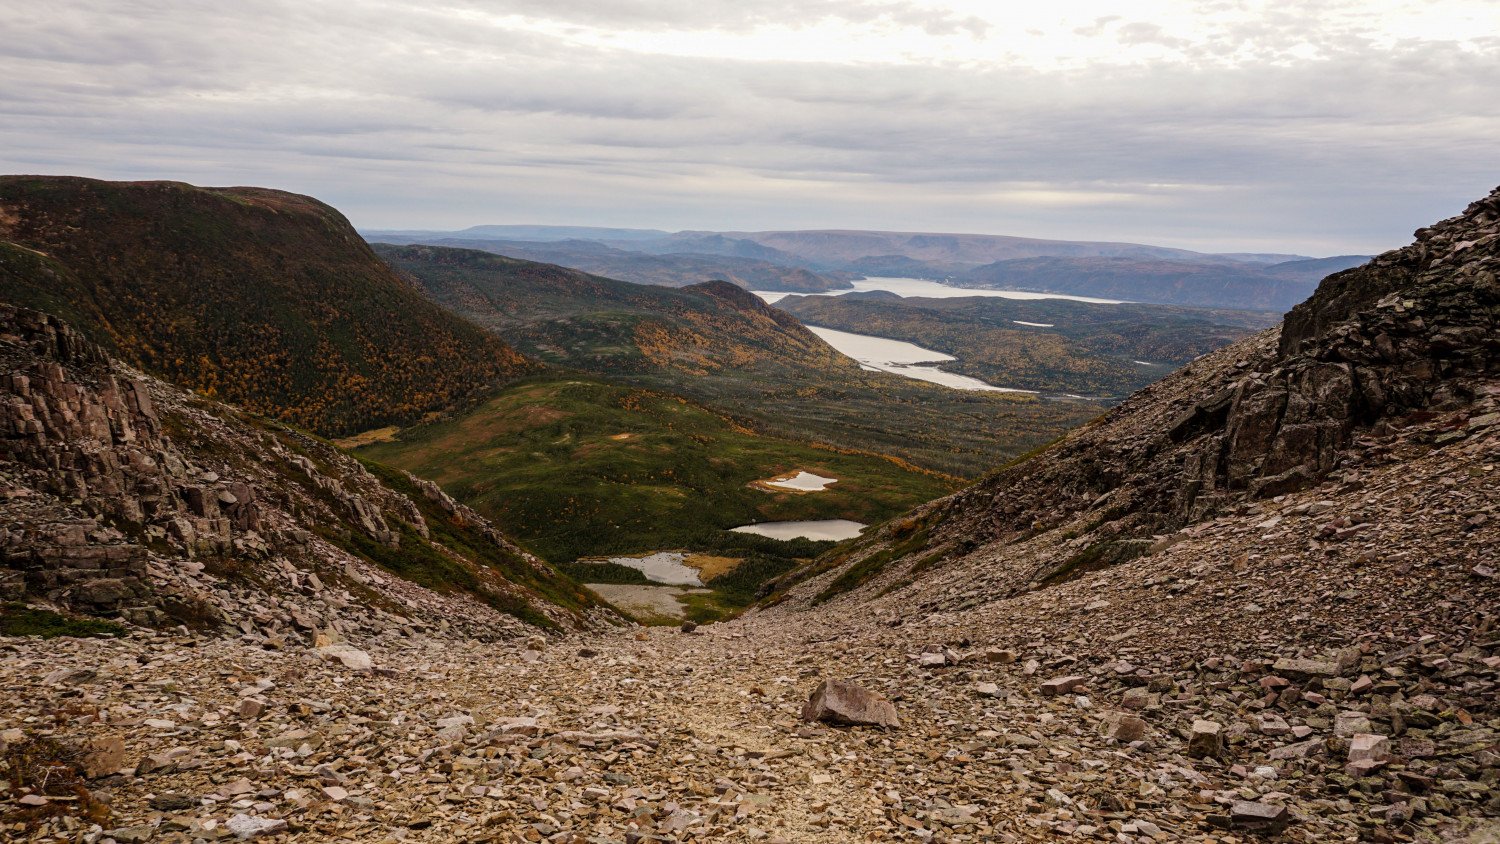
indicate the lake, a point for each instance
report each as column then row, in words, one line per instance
column 802, row 482
column 933, row 290
column 663, row 567
column 824, row 529
column 901, row 358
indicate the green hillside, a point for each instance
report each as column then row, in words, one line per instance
column 726, row 349
column 574, row 468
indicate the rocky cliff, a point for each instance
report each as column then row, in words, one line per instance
column 121, row 495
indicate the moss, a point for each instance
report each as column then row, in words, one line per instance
column 865, row 570
column 1100, row 555
column 21, row 620
column 586, row 572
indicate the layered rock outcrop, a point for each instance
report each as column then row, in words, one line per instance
column 121, row 495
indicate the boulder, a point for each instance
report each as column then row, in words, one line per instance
column 1206, row 739
column 1062, row 685
column 843, row 702
column 104, row 756
column 1123, row 727
column 353, row 658
column 1258, row 817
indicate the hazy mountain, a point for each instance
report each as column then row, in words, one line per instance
column 1272, row 287
column 667, row 269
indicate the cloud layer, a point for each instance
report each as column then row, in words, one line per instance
column 1299, row 125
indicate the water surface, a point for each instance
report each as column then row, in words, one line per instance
column 803, row 482
column 825, row 529
column 933, row 290
column 662, row 567
column 901, row 358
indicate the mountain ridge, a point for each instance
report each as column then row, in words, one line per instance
column 267, row 299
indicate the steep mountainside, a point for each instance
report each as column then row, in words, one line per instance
column 122, row 495
column 725, row 348
column 1050, row 345
column 1279, row 560
column 670, row 269
column 265, row 299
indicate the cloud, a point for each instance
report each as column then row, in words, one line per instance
column 1300, row 129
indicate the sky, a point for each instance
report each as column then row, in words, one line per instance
column 1309, row 126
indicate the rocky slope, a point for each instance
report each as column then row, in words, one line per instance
column 1298, row 529
column 123, row 496
column 1258, row 601
column 264, row 299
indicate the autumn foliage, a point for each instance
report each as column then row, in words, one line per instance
column 265, row 299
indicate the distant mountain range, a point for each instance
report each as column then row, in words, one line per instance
column 825, row 260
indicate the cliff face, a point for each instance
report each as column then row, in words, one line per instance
column 265, row 299
column 121, row 495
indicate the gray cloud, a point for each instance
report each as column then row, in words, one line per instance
column 427, row 117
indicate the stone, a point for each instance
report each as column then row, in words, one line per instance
column 133, row 834
column 1062, row 685
column 104, row 756
column 1123, row 727
column 1137, row 698
column 1367, row 752
column 352, row 658
column 1258, row 817
column 1206, row 739
column 1347, row 724
column 1306, row 667
column 1271, row 724
column 932, row 660
column 842, row 702
column 987, row 690
column 250, row 709
column 246, row 827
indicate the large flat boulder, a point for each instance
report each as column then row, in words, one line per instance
column 843, row 702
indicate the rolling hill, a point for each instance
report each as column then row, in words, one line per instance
column 727, row 350
column 265, row 299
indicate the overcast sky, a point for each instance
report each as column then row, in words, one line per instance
column 1312, row 126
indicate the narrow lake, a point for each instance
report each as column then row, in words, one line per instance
column 935, row 290
column 824, row 529
column 901, row 358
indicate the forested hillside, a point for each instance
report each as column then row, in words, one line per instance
column 265, row 299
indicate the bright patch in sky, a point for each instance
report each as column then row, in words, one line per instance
column 1311, row 126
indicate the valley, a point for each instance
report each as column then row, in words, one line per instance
column 1052, row 346
column 627, row 563
column 725, row 349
